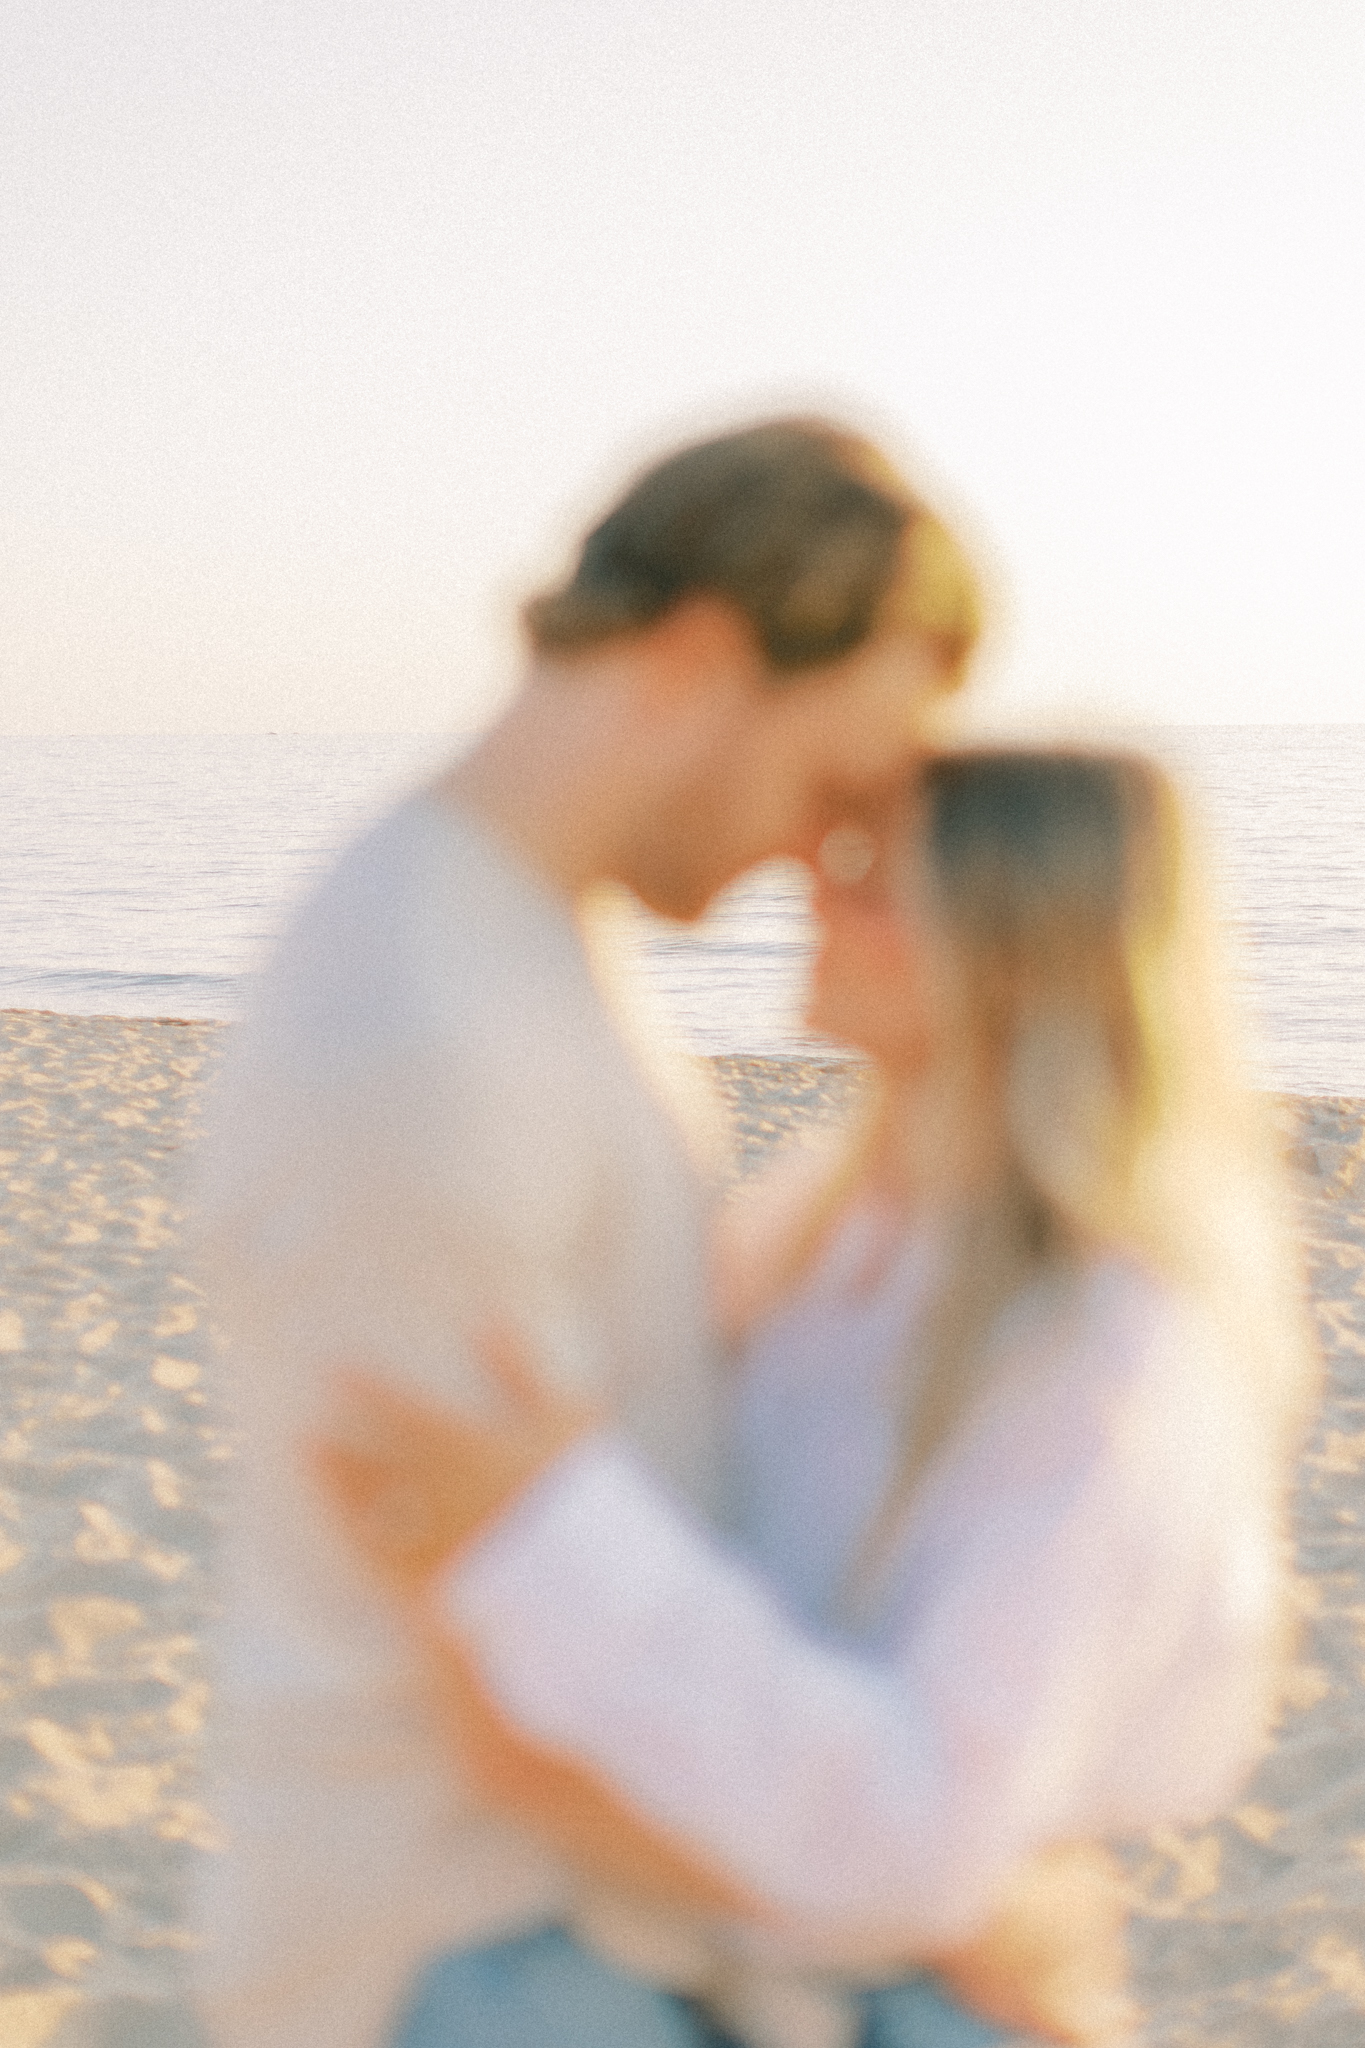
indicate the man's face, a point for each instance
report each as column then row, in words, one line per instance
column 782, row 762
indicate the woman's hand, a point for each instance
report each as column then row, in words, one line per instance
column 414, row 1483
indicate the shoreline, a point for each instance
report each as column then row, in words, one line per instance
column 115, row 1446
column 850, row 1062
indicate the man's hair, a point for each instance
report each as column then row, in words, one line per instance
column 803, row 526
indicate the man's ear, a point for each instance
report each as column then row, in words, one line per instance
column 701, row 642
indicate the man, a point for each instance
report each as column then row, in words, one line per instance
column 429, row 1123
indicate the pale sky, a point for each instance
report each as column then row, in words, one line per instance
column 327, row 324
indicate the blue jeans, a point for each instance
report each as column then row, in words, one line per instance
column 544, row 1991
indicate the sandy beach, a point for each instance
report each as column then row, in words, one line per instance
column 114, row 1449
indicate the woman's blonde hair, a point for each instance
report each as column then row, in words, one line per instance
column 1099, row 1010
column 804, row 526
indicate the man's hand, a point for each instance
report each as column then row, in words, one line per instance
column 1053, row 1962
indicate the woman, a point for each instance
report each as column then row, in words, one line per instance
column 1013, row 1423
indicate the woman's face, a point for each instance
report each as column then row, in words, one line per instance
column 883, row 978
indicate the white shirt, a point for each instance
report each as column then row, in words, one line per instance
column 428, row 1118
column 1072, row 1640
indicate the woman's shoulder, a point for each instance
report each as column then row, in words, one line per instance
column 1164, row 1338
column 1173, row 1426
column 1125, row 1323
column 1113, row 1372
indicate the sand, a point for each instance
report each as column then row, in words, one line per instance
column 114, row 1452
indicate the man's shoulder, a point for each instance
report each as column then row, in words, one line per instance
column 429, row 880
column 425, row 935
column 428, row 1005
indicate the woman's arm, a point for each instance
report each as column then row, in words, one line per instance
column 611, row 1632
column 1083, row 1650
column 1051, row 1964
column 871, row 1815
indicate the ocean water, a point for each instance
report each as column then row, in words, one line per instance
column 149, row 877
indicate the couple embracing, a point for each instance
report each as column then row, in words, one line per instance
column 648, row 1623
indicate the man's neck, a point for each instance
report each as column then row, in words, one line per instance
column 542, row 781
